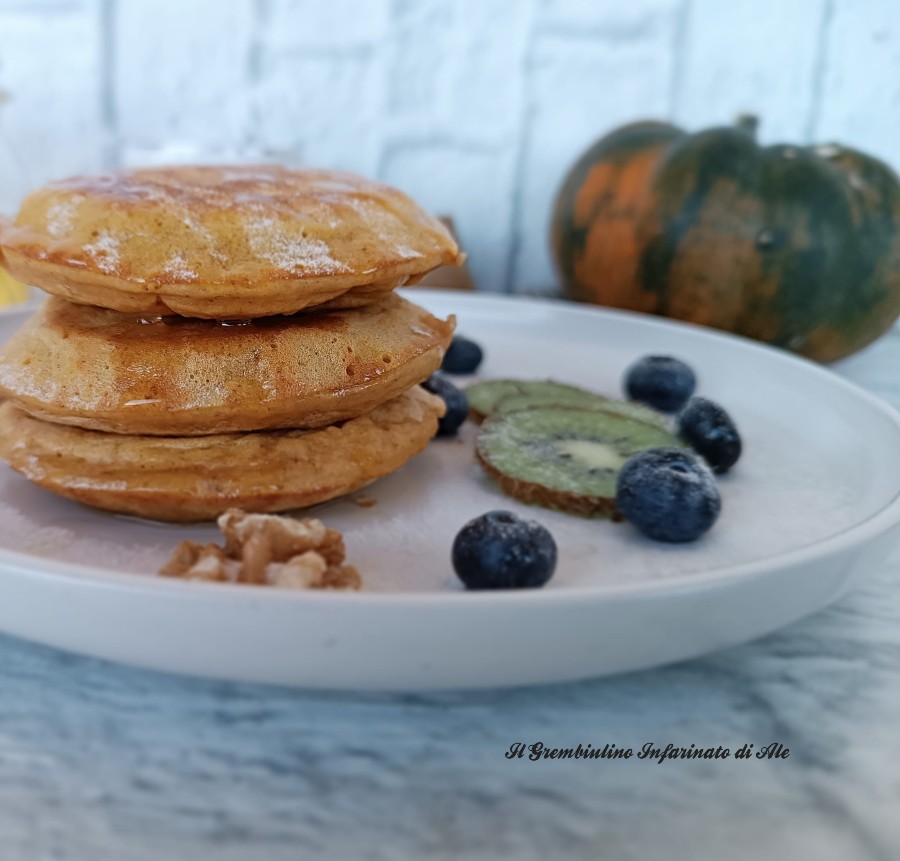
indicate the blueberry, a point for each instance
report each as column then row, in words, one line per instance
column 660, row 382
column 669, row 494
column 454, row 399
column 500, row 550
column 462, row 357
column 709, row 430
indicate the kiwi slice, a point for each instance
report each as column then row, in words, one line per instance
column 484, row 397
column 583, row 400
column 563, row 457
column 512, row 395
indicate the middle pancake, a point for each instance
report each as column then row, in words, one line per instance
column 173, row 376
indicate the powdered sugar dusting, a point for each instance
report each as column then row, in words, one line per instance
column 104, row 252
column 178, row 267
column 290, row 252
column 196, row 227
column 61, row 215
column 373, row 212
column 257, row 173
column 393, row 233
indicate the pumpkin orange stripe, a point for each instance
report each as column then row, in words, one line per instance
column 621, row 187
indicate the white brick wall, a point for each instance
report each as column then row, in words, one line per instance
column 53, row 66
column 476, row 107
column 158, row 58
column 752, row 56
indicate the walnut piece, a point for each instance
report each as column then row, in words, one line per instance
column 268, row 549
column 201, row 562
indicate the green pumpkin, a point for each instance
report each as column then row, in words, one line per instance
column 795, row 246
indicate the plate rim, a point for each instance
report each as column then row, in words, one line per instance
column 876, row 525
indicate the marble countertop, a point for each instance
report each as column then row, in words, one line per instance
column 106, row 763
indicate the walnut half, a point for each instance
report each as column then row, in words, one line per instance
column 268, row 549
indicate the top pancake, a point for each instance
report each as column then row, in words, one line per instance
column 222, row 242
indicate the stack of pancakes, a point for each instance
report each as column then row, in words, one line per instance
column 219, row 337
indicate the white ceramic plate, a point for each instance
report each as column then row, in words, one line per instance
column 811, row 507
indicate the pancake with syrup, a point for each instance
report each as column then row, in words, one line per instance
column 222, row 242
column 105, row 370
column 184, row 479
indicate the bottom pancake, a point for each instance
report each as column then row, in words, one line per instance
column 184, row 479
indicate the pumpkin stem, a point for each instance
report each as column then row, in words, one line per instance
column 748, row 123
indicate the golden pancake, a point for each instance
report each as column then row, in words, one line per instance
column 222, row 242
column 186, row 479
column 176, row 376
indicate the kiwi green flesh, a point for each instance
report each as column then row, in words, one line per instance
column 504, row 396
column 565, row 450
column 583, row 400
column 483, row 397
